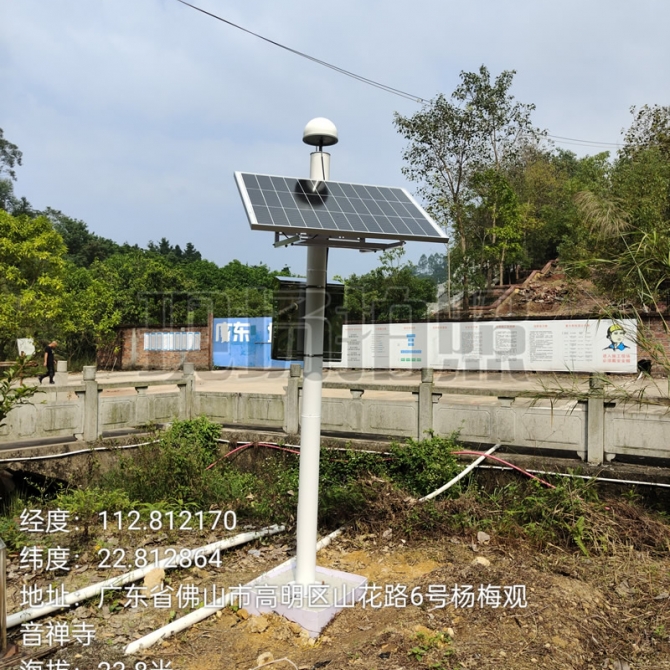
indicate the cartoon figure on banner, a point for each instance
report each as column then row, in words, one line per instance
column 615, row 334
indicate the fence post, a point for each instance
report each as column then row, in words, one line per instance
column 61, row 373
column 595, row 422
column 425, row 402
column 90, row 404
column 292, row 401
column 186, row 387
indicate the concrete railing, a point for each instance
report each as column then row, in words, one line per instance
column 3, row 598
column 592, row 426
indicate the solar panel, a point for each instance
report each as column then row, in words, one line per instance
column 334, row 209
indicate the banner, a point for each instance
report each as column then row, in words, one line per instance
column 244, row 343
column 578, row 345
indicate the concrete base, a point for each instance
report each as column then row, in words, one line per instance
column 311, row 607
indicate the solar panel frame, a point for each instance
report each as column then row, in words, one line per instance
column 292, row 205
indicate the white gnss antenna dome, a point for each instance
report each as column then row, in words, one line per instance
column 320, row 132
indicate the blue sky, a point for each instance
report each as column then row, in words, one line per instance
column 133, row 115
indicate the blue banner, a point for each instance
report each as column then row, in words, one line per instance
column 244, row 343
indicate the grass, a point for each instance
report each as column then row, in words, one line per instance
column 368, row 492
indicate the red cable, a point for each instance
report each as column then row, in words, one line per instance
column 269, row 445
column 246, row 445
column 240, row 448
column 464, row 452
column 500, row 460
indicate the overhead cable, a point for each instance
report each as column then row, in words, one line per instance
column 353, row 75
column 365, row 80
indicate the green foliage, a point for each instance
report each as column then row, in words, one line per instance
column 345, row 467
column 87, row 503
column 32, row 270
column 499, row 217
column 11, row 535
column 421, row 467
column 427, row 643
column 624, row 240
column 83, row 246
column 12, row 394
column 201, row 433
column 450, row 141
column 389, row 293
column 10, row 156
column 556, row 516
column 433, row 267
column 175, row 470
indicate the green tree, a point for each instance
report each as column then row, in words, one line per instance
column 452, row 140
column 501, row 217
column 650, row 128
column 431, row 267
column 389, row 293
column 10, row 157
column 83, row 246
column 147, row 289
column 32, row 270
column 90, row 312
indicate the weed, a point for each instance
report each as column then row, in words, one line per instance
column 11, row 535
column 175, row 470
column 85, row 505
column 422, row 466
column 426, row 643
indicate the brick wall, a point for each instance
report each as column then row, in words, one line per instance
column 132, row 355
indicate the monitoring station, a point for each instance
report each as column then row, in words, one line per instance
column 319, row 214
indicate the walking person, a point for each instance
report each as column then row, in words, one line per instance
column 49, row 362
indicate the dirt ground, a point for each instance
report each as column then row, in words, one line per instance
column 610, row 612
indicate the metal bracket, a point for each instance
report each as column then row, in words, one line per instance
column 287, row 241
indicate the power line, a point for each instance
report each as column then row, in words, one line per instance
column 353, row 75
column 573, row 140
column 371, row 82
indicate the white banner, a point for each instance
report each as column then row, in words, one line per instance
column 578, row 345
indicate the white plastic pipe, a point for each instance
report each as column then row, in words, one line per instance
column 310, row 416
column 198, row 615
column 609, row 480
column 65, row 454
column 76, row 597
column 460, row 475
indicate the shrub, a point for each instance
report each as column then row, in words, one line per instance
column 423, row 466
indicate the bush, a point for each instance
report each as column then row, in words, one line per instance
column 175, row 470
column 200, row 432
column 423, row 466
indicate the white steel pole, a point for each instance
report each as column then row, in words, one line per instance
column 310, row 416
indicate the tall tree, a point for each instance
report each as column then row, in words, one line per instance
column 501, row 216
column 10, row 156
column 629, row 220
column 451, row 140
column 32, row 270
column 390, row 292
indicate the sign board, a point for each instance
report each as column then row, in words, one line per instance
column 241, row 342
column 578, row 345
column 26, row 346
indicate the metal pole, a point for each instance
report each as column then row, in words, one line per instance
column 3, row 599
column 448, row 280
column 310, row 416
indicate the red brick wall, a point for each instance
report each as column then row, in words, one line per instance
column 160, row 360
